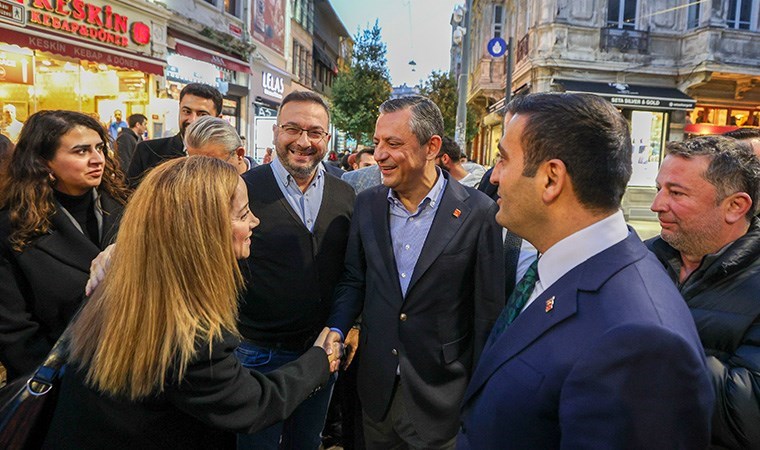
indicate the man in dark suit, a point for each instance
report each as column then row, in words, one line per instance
column 195, row 100
column 595, row 348
column 424, row 264
column 129, row 138
column 296, row 260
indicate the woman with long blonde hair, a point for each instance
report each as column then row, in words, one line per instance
column 61, row 197
column 151, row 360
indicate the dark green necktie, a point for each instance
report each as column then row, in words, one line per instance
column 516, row 301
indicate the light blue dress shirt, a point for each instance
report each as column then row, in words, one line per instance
column 305, row 204
column 409, row 230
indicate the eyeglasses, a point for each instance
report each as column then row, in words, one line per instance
column 296, row 131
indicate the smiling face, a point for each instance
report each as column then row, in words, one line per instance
column 78, row 162
column 299, row 154
column 686, row 205
column 191, row 107
column 519, row 197
column 243, row 222
column 401, row 157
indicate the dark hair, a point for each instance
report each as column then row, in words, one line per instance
column 743, row 133
column 203, row 91
column 305, row 97
column 134, row 119
column 450, row 147
column 585, row 132
column 365, row 151
column 24, row 187
column 733, row 165
column 6, row 148
column 427, row 120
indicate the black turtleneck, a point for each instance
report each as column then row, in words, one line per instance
column 82, row 208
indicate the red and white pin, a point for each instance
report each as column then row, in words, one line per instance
column 456, row 213
column 549, row 304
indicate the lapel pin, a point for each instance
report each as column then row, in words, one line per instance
column 456, row 213
column 549, row 304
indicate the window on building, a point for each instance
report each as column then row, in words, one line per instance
column 303, row 13
column 231, row 7
column 498, row 18
column 302, row 64
column 693, row 15
column 740, row 13
column 621, row 14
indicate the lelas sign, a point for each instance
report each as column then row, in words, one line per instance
column 274, row 86
column 88, row 20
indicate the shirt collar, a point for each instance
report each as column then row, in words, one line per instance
column 433, row 197
column 284, row 177
column 573, row 250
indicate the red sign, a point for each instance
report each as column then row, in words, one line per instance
column 16, row 68
column 99, row 23
column 65, row 48
column 235, row 30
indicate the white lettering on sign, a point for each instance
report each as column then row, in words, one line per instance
column 274, row 86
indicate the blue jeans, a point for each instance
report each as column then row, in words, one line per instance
column 302, row 430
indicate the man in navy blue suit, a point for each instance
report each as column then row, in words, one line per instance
column 595, row 348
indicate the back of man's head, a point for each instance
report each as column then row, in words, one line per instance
column 733, row 166
column 204, row 91
column 588, row 134
column 136, row 119
column 207, row 131
column 450, row 148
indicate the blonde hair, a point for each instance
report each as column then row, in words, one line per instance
column 173, row 281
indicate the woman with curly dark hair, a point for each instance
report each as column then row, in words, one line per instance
column 61, row 197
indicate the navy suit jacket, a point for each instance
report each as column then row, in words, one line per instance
column 614, row 362
column 437, row 331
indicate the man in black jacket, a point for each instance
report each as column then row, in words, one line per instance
column 708, row 189
column 195, row 100
column 296, row 259
column 129, row 138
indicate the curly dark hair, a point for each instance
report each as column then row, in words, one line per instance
column 24, row 186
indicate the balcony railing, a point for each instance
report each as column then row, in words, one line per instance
column 624, row 40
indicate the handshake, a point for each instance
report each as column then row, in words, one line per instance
column 332, row 344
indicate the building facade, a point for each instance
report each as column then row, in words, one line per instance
column 672, row 68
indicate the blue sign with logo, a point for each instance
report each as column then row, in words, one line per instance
column 497, row 47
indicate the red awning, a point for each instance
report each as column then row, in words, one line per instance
column 215, row 58
column 53, row 43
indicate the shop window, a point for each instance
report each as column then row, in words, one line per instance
column 740, row 13
column 733, row 117
column 232, row 7
column 622, row 14
column 693, row 15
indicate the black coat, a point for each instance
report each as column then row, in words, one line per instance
column 125, row 146
column 216, row 397
column 43, row 286
column 724, row 299
column 436, row 332
column 148, row 154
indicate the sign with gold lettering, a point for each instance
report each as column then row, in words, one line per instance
column 89, row 20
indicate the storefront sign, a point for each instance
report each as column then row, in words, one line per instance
column 16, row 68
column 11, row 12
column 89, row 21
column 268, row 17
column 274, row 86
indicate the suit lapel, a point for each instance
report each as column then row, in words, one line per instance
column 381, row 225
column 112, row 212
column 67, row 244
column 445, row 224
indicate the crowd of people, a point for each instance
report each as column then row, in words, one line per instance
column 508, row 308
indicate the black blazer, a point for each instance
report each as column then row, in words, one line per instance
column 216, row 397
column 437, row 331
column 43, row 286
column 125, row 147
column 148, row 154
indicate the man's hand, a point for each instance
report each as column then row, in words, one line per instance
column 351, row 344
column 331, row 343
column 98, row 269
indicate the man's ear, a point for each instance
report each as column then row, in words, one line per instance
column 552, row 175
column 240, row 152
column 433, row 147
column 735, row 206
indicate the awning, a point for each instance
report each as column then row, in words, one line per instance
column 47, row 41
column 632, row 95
column 210, row 56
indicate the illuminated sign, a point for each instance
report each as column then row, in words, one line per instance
column 16, row 68
column 88, row 20
column 274, row 86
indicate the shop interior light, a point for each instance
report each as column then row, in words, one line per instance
column 102, row 67
column 46, row 62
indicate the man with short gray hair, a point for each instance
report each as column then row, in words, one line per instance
column 215, row 137
column 424, row 263
column 707, row 192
